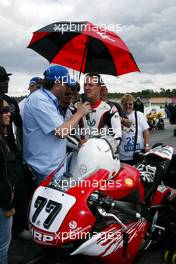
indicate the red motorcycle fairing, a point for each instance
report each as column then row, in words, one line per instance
column 124, row 182
column 57, row 217
column 161, row 194
column 108, row 246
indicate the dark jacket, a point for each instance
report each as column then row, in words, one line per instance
column 7, row 176
column 139, row 106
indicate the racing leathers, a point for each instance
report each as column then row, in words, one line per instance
column 103, row 121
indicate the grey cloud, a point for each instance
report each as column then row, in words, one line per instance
column 148, row 81
column 152, row 44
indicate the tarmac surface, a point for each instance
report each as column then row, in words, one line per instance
column 21, row 251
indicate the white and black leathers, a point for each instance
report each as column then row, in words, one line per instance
column 103, row 120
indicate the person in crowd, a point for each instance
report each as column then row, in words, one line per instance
column 136, row 138
column 172, row 110
column 76, row 90
column 19, row 223
column 45, row 129
column 104, row 119
column 68, row 109
column 104, row 97
column 65, row 100
column 7, row 182
column 152, row 119
column 138, row 105
column 167, row 111
column 14, row 109
column 68, row 100
column 34, row 84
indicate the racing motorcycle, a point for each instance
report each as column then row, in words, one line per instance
column 101, row 209
column 155, row 120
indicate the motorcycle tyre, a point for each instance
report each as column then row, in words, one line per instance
column 167, row 256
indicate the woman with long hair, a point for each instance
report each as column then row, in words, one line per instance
column 7, row 182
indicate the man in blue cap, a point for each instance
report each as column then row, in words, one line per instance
column 34, row 84
column 45, row 129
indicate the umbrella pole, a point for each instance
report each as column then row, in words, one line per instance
column 84, row 56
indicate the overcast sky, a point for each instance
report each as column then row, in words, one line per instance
column 147, row 27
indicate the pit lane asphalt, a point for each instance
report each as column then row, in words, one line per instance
column 21, row 250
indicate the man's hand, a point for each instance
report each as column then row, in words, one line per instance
column 85, row 109
column 146, row 148
column 82, row 141
column 10, row 212
column 65, row 129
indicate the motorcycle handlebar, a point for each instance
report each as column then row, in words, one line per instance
column 121, row 206
column 125, row 208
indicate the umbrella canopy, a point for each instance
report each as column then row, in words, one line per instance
column 84, row 47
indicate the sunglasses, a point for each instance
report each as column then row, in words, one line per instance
column 5, row 110
column 125, row 104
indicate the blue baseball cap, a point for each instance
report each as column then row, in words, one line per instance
column 59, row 73
column 35, row 80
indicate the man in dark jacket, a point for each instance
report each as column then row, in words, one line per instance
column 138, row 105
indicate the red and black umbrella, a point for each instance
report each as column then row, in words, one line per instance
column 84, row 47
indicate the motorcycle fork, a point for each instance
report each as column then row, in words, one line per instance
column 154, row 228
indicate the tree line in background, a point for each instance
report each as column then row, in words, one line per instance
column 148, row 93
column 143, row 94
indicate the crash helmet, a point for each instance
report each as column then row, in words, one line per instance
column 96, row 154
